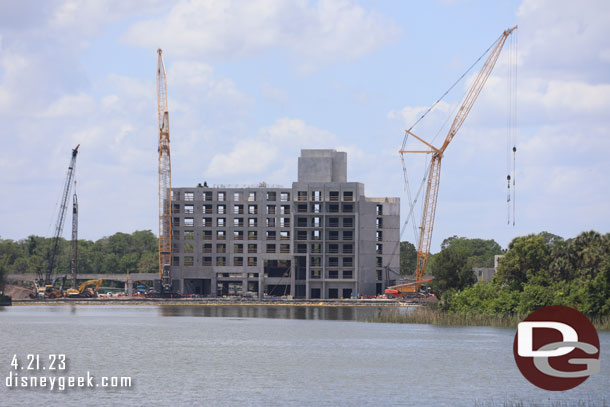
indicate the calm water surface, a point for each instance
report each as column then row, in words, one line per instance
column 272, row 356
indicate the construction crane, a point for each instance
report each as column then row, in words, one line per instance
column 74, row 263
column 433, row 177
column 59, row 226
column 165, row 179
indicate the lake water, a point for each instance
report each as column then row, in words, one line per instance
column 271, row 356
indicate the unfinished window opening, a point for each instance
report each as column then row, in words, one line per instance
column 252, row 248
column 238, row 235
column 175, row 234
column 189, row 209
column 302, row 222
column 238, row 248
column 379, row 261
column 188, row 196
column 221, row 209
column 188, row 248
column 379, row 275
column 207, row 248
column 238, row 261
column 302, row 208
column 348, row 262
column 252, row 209
column 301, row 248
column 207, row 235
column 207, row 222
column 284, row 222
column 379, row 210
column 379, row 223
column 189, row 221
column 176, row 209
column 333, row 293
column 378, row 248
column 285, row 196
column 221, row 261
column 316, row 248
column 333, row 222
column 333, row 274
column 348, row 222
column 285, row 210
column 348, row 274
column 207, row 195
column 277, row 268
column 333, row 262
column 252, row 235
column 176, row 222
column 189, row 235
column 220, row 235
column 333, row 235
column 237, row 196
column 315, row 293
column 270, row 222
column 316, row 235
column 348, row 208
column 333, row 208
column 301, row 235
column 301, row 195
column 188, row 261
column 348, row 235
column 270, row 209
column 348, row 196
column 284, row 248
column 316, row 208
column 252, row 222
column 346, row 293
column 222, row 196
column 379, row 235
column 315, row 274
column 238, row 209
column 285, row 235
column 333, row 248
column 221, row 248
column 270, row 248
column 221, row 222
column 252, row 261
column 238, row 222
column 206, row 261
column 270, row 235
column 334, row 196
column 175, row 261
column 251, row 196
column 315, row 261
column 316, row 196
column 316, row 222
column 271, row 196
column 207, row 209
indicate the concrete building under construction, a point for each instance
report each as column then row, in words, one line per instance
column 322, row 238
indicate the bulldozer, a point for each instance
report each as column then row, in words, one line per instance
column 84, row 290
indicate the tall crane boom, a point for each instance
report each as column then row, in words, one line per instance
column 165, row 178
column 429, row 206
column 74, row 263
column 61, row 217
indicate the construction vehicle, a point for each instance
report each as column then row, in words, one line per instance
column 433, row 177
column 43, row 282
column 165, row 182
column 84, row 291
column 49, row 290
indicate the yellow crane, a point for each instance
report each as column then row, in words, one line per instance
column 165, row 179
column 433, row 178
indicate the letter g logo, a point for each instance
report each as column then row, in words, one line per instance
column 553, row 344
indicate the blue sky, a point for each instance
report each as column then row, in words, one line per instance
column 251, row 83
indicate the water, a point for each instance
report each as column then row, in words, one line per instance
column 272, row 356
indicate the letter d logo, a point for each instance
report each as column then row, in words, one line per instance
column 556, row 348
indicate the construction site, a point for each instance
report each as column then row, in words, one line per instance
column 321, row 238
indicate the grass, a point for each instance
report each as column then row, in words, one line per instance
column 434, row 316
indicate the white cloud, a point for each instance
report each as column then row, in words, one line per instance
column 71, row 105
column 326, row 31
column 273, row 148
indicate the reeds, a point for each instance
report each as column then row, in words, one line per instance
column 434, row 316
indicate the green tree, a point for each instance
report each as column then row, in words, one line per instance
column 526, row 255
column 451, row 270
column 408, row 258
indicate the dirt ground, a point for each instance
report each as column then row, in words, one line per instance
column 17, row 292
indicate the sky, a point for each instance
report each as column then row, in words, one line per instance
column 251, row 83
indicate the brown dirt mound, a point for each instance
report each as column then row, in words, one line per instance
column 16, row 292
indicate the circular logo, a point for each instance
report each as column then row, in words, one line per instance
column 556, row 348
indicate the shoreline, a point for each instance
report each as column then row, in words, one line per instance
column 214, row 302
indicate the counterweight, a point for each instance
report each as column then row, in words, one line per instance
column 165, row 178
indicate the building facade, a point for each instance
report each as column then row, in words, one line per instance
column 322, row 238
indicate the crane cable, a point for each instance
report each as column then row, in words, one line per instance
column 510, row 135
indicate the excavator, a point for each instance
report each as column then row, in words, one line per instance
column 84, row 291
column 50, row 290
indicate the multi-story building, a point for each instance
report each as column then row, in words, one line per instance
column 322, row 238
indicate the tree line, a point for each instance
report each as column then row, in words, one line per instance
column 120, row 253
